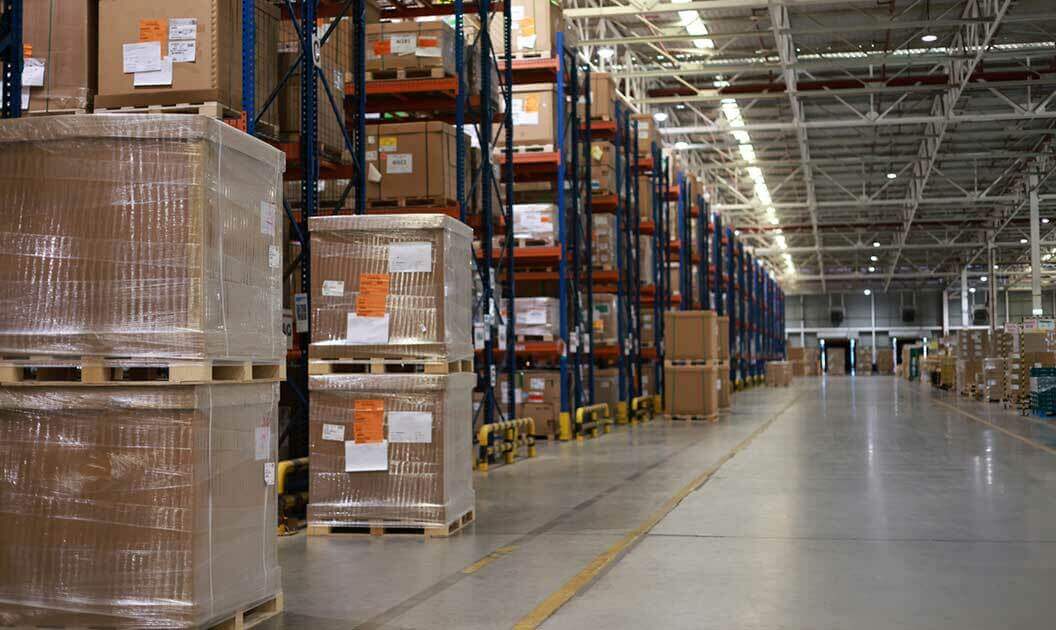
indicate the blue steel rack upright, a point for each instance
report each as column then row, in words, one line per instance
column 628, row 268
column 11, row 59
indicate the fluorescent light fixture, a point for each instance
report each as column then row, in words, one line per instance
column 741, row 136
column 660, row 116
column 929, row 38
column 868, row 292
column 874, row 258
column 1023, row 241
column 1037, row 312
column 982, row 278
column 780, row 240
column 971, row 290
column 876, row 243
column 892, row 175
column 747, row 152
column 606, row 52
column 681, row 145
column 736, row 232
column 872, row 269
column 774, row 221
column 995, row 267
column 1045, row 219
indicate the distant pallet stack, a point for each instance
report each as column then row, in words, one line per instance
column 691, row 374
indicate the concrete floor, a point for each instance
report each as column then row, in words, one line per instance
column 849, row 503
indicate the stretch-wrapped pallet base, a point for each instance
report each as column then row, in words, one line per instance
column 136, row 507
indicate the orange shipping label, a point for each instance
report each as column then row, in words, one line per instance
column 155, row 31
column 382, row 47
column 527, row 27
column 531, row 103
column 373, row 294
column 428, row 42
column 369, row 421
column 27, row 50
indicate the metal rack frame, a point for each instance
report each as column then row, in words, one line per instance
column 11, row 59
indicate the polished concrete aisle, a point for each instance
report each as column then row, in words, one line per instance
column 851, row 503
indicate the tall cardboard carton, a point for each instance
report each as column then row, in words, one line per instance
column 605, row 318
column 410, row 46
column 61, row 36
column 534, row 113
column 691, row 335
column 534, row 28
column 726, row 390
column 602, row 97
column 137, row 507
column 692, row 390
column 647, row 133
column 417, row 162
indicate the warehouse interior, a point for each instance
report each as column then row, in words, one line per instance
column 409, row 314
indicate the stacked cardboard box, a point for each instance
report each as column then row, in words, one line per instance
column 1037, row 348
column 779, row 373
column 972, row 347
column 885, row 361
column 416, row 163
column 534, row 28
column 145, row 504
column 692, row 379
column 534, row 122
column 537, row 318
column 390, row 450
column 535, row 223
column 605, row 319
column 604, row 241
column 836, row 361
column 60, row 45
column 863, row 360
column 993, row 379
column 397, row 50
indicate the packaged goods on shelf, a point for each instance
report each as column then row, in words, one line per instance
column 605, row 332
column 836, row 361
column 607, row 387
column 648, row 378
column 412, row 49
column 189, row 266
column 645, row 259
column 647, row 134
column 723, row 326
column 726, row 386
column 535, row 222
column 968, row 371
column 603, row 168
column 135, row 507
column 60, row 49
column 692, row 390
column 398, row 285
column 197, row 59
column 602, row 97
column 674, row 282
column 534, row 28
column 417, row 162
column 648, row 330
column 778, row 373
column 1031, row 341
column 863, row 360
column 885, row 361
column 542, row 400
column 993, row 379
column 537, row 317
column 334, row 63
column 1043, row 391
column 691, row 335
column 604, row 241
column 390, row 450
column 645, row 199
column 973, row 344
column 533, row 114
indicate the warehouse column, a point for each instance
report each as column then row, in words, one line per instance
column 1035, row 247
column 872, row 318
column 991, row 260
column 945, row 312
column 966, row 320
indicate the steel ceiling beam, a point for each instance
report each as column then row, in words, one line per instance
column 610, row 11
column 843, row 123
column 971, row 40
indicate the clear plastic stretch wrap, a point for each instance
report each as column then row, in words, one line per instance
column 393, row 449
column 139, row 235
column 537, row 316
column 397, row 285
column 136, row 507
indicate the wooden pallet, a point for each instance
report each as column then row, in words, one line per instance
column 402, row 74
column 533, row 148
column 213, row 109
column 682, row 362
column 534, row 338
column 381, row 528
column 412, row 202
column 56, row 112
column 397, row 365
column 693, row 418
column 60, row 371
column 531, row 54
column 250, row 616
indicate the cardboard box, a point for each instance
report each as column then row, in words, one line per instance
column 402, row 282
column 645, row 199
column 692, row 390
column 534, row 122
column 691, row 335
column 216, row 72
column 404, row 46
column 534, row 25
column 536, row 222
column 779, row 373
column 645, row 260
column 62, row 36
column 416, row 161
column 605, row 319
column 167, row 249
column 648, row 329
column 335, row 63
column 602, row 98
column 885, row 361
column 542, row 400
column 723, row 324
column 836, row 361
column 537, row 317
column 416, row 468
column 647, row 135
column 604, row 241
column 607, row 387
column 135, row 507
column 993, row 379
column 726, row 386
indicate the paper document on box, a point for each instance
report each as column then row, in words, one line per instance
column 366, row 457
column 410, row 427
column 368, row 330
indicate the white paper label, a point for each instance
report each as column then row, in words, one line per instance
column 262, row 437
column 267, row 218
column 526, row 41
column 431, row 52
column 183, row 28
column 367, row 330
column 533, row 317
column 478, row 336
column 399, row 163
column 183, row 51
column 334, row 288
column 142, row 57
column 33, row 72
column 274, row 256
column 334, row 432
column 269, row 473
column 516, row 13
column 410, row 257
column 403, row 44
column 412, row 427
column 154, row 78
column 537, row 383
column 718, row 384
column 366, row 457
column 372, row 156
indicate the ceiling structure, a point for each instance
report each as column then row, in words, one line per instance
column 882, row 144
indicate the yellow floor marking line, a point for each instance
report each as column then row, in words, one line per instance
column 1025, row 440
column 570, row 589
column 498, row 554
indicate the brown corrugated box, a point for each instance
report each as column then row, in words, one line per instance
column 334, row 63
column 534, row 25
column 604, row 241
column 425, row 483
column 534, row 121
column 885, row 361
column 835, row 361
column 726, row 386
column 410, row 45
column 723, row 325
column 167, row 249
column 691, row 335
column 542, row 400
column 648, row 331
column 215, row 74
column 779, row 373
column 415, row 160
column 692, row 390
column 647, row 134
column 417, row 275
column 602, row 97
column 63, row 35
column 607, row 387
column 537, row 317
column 536, row 221
column 605, row 319
column 135, row 507
column 645, row 198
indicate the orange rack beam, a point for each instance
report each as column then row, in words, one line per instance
column 604, row 203
column 536, row 349
column 601, row 130
column 531, row 70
